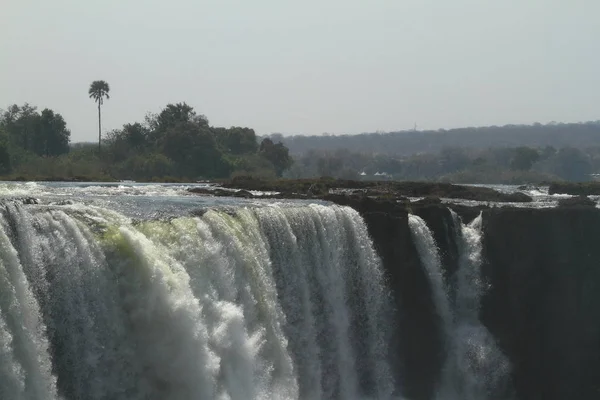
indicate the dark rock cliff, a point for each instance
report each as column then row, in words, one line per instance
column 543, row 305
column 544, row 301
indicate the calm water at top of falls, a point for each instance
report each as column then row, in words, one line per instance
column 136, row 200
column 143, row 200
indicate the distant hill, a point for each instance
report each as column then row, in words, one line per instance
column 579, row 135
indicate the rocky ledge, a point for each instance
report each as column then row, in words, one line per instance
column 385, row 190
column 576, row 189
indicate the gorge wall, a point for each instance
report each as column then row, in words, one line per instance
column 544, row 300
column 541, row 270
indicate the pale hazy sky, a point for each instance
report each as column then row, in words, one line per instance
column 338, row 66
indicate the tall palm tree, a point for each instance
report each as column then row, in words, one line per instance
column 98, row 91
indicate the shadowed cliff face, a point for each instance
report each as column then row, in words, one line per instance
column 542, row 305
column 544, row 301
column 418, row 341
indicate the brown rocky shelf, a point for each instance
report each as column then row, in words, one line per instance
column 324, row 187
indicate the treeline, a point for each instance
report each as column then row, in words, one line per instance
column 404, row 143
column 179, row 143
column 516, row 165
column 176, row 144
column 26, row 133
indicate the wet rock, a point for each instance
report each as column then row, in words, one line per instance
column 517, row 197
column 201, row 190
column 241, row 193
column 429, row 200
column 323, row 186
column 219, row 192
column 578, row 201
column 576, row 189
column 528, row 187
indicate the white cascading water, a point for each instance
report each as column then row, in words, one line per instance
column 475, row 368
column 430, row 258
column 24, row 359
column 277, row 302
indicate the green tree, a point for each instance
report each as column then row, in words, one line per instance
column 174, row 114
column 253, row 165
column 44, row 134
column 171, row 116
column 194, row 150
column 98, row 91
column 329, row 165
column 54, row 137
column 524, row 158
column 5, row 163
column 21, row 125
column 570, row 164
column 277, row 154
column 237, row 140
column 135, row 135
column 125, row 142
column 147, row 166
column 454, row 159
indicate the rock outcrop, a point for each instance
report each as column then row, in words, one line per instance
column 577, row 189
column 577, row 201
column 316, row 188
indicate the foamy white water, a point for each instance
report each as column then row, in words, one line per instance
column 475, row 368
column 278, row 302
column 430, row 258
column 24, row 357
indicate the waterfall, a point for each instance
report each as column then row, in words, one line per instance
column 475, row 368
column 430, row 258
column 274, row 302
column 24, row 358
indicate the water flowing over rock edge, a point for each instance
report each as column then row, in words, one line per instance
column 544, row 259
column 258, row 303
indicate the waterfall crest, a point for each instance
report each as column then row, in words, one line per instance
column 276, row 302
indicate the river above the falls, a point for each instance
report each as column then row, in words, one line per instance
column 133, row 199
column 155, row 200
